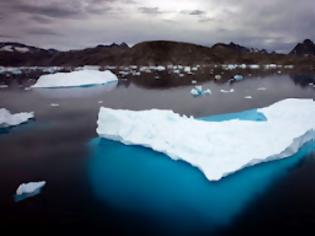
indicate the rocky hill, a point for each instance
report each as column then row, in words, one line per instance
column 152, row 53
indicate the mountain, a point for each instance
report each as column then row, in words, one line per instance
column 306, row 48
column 151, row 53
column 18, row 54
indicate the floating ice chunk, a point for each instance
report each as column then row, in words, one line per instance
column 216, row 148
column 7, row 119
column 3, row 86
column 248, row 97
column 27, row 190
column 261, row 89
column 217, row 77
column 254, row 66
column 238, row 77
column 199, row 91
column 100, row 102
column 76, row 78
column 227, row 91
column 54, row 105
column 187, row 69
column 194, row 82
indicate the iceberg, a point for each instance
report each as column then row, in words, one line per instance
column 216, row 148
column 199, row 91
column 31, row 189
column 75, row 79
column 7, row 119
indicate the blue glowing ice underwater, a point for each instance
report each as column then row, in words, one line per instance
column 174, row 194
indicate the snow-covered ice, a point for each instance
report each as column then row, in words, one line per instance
column 7, row 119
column 27, row 190
column 216, row 148
column 29, row 187
column 75, row 79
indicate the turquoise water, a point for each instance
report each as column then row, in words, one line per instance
column 173, row 194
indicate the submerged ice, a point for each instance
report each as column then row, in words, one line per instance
column 216, row 148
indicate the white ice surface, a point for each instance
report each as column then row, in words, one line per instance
column 216, row 148
column 27, row 188
column 7, row 119
column 76, row 78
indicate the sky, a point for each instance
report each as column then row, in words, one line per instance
column 72, row 24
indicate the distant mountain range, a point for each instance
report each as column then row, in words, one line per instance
column 152, row 53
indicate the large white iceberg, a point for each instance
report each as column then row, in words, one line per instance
column 7, row 119
column 75, row 78
column 216, row 148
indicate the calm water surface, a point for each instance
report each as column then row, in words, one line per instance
column 95, row 184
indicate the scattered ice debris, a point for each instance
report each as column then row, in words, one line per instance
column 75, row 79
column 3, row 86
column 238, row 77
column 248, row 97
column 27, row 190
column 227, row 91
column 271, row 66
column 217, row 77
column 255, row 67
column 7, row 119
column 88, row 67
column 199, row 91
column 261, row 89
column 54, row 105
column 216, row 148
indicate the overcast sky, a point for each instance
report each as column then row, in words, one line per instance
column 70, row 24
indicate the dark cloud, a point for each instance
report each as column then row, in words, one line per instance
column 150, row 10
column 43, row 31
column 195, row 12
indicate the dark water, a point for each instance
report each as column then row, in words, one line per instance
column 93, row 185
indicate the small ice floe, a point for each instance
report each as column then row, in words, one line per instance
column 194, row 81
column 238, row 77
column 248, row 97
column 7, row 119
column 311, row 84
column 54, row 105
column 288, row 66
column 181, row 75
column 157, row 77
column 254, row 66
column 27, row 190
column 261, row 89
column 100, row 102
column 199, row 91
column 3, row 86
column 27, row 88
column 227, row 91
column 217, row 77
